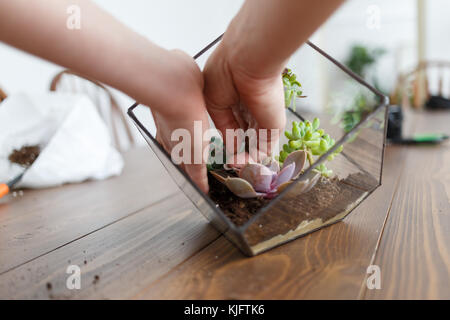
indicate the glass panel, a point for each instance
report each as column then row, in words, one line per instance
column 351, row 112
column 356, row 173
column 202, row 202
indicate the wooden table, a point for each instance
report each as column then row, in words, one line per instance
column 137, row 236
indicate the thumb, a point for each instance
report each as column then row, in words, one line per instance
column 266, row 104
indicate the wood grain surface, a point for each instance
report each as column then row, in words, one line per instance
column 124, row 256
column 136, row 236
column 330, row 263
column 414, row 254
column 43, row 220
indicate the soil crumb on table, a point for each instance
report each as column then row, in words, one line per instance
column 25, row 156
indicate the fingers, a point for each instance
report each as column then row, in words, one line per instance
column 190, row 144
column 220, row 94
column 223, row 119
column 264, row 99
column 187, row 120
column 197, row 170
column 236, row 100
column 198, row 174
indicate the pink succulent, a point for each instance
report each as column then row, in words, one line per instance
column 264, row 180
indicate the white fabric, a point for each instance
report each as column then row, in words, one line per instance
column 74, row 140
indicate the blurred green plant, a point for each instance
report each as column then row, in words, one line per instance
column 351, row 117
column 360, row 61
column 362, row 58
column 307, row 136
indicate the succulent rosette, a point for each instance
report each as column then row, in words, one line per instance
column 266, row 179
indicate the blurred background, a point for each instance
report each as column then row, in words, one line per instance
column 382, row 40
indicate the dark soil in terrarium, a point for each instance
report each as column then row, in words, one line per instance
column 328, row 198
column 325, row 200
column 238, row 210
column 25, row 156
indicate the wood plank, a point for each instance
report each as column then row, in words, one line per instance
column 414, row 253
column 143, row 256
column 42, row 220
column 330, row 263
column 126, row 256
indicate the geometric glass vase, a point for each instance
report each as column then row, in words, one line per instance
column 350, row 110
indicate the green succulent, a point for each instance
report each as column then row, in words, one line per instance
column 291, row 88
column 306, row 135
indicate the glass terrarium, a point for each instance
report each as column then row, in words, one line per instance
column 336, row 129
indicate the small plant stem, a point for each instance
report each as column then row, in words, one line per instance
column 310, row 158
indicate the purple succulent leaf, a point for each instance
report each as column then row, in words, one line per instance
column 271, row 195
column 273, row 165
column 258, row 175
column 283, row 186
column 242, row 188
column 284, row 176
column 297, row 157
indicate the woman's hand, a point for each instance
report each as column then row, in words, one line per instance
column 243, row 83
column 242, row 78
column 178, row 104
column 237, row 97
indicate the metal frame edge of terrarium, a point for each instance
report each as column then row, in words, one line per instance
column 239, row 231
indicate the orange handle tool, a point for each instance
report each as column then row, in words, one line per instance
column 4, row 190
column 6, row 187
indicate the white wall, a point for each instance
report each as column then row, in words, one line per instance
column 438, row 30
column 438, row 42
column 356, row 22
column 190, row 25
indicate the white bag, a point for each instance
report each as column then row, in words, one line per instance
column 74, row 140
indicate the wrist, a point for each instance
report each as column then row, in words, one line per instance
column 167, row 80
column 143, row 75
column 246, row 48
